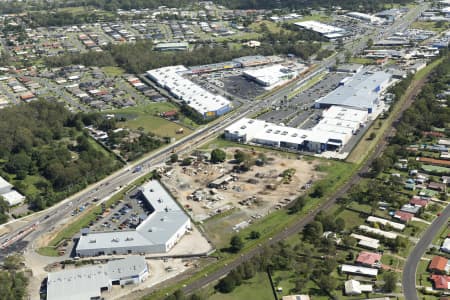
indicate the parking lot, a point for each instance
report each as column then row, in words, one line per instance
column 298, row 111
column 125, row 215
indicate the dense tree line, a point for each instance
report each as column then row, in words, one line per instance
column 13, row 282
column 15, row 6
column 44, row 140
column 140, row 57
column 63, row 18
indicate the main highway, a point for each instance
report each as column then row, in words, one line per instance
column 52, row 217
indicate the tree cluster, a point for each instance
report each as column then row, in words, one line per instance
column 42, row 139
column 13, row 282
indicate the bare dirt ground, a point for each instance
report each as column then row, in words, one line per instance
column 250, row 194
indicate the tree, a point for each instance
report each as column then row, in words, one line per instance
column 298, row 205
column 254, row 235
column 390, row 281
column 218, row 155
column 226, row 285
column 186, row 162
column 313, row 232
column 236, row 244
column 318, row 192
column 241, row 156
column 372, row 136
column 174, row 158
column 340, row 224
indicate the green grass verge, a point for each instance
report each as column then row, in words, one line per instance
column 113, row 71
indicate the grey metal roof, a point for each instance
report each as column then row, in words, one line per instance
column 126, row 268
column 5, row 186
column 157, row 229
column 360, row 92
column 86, row 282
column 77, row 284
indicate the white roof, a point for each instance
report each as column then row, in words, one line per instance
column 398, row 226
column 270, row 75
column 262, row 130
column 354, row 287
column 159, row 227
column 320, row 27
column 193, row 95
column 446, row 245
column 13, row 197
column 359, row 270
column 386, row 234
column 4, row 185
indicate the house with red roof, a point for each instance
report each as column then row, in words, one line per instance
column 418, row 201
column 403, row 216
column 439, row 264
column 369, row 259
column 440, row 282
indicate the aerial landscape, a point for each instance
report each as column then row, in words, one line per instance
column 225, row 149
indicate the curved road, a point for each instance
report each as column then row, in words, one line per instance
column 409, row 272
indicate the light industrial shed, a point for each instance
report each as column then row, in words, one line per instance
column 363, row 91
column 88, row 283
column 158, row 233
column 205, row 103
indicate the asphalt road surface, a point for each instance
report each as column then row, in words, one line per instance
column 409, row 272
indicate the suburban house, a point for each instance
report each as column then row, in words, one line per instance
column 403, row 216
column 440, row 282
column 369, row 259
column 439, row 264
column 353, row 287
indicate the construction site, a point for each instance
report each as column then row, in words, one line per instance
column 238, row 194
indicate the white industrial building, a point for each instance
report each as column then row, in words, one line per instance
column 88, row 283
column 328, row 31
column 361, row 91
column 194, row 96
column 7, row 192
column 331, row 133
column 162, row 229
column 271, row 76
column 366, row 18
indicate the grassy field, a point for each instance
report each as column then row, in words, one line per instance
column 365, row 146
column 146, row 116
column 256, row 288
column 113, row 71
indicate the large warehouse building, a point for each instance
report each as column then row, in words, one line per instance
column 362, row 91
column 88, row 283
column 271, row 76
column 331, row 133
column 194, row 96
column 328, row 31
column 162, row 229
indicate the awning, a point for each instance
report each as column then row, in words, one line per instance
column 335, row 144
